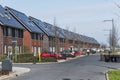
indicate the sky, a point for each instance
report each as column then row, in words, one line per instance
column 81, row 16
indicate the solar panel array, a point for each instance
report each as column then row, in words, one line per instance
column 55, row 30
column 42, row 26
column 36, row 25
column 8, row 20
column 25, row 20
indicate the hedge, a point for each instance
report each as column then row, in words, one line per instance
column 29, row 58
column 48, row 59
column 24, row 58
column 3, row 57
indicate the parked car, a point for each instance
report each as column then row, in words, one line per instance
column 46, row 54
column 63, row 53
column 77, row 53
column 68, row 53
column 50, row 54
column 57, row 55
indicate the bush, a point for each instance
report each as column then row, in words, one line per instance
column 29, row 58
column 25, row 58
column 48, row 59
column 3, row 57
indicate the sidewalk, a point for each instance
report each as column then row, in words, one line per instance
column 16, row 72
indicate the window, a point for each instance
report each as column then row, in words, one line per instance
column 4, row 31
column 39, row 50
column 5, row 49
column 39, row 38
column 16, row 49
column 34, row 36
column 10, row 49
column 20, row 33
column 35, row 51
column 10, row 32
column 16, row 32
column 13, row 32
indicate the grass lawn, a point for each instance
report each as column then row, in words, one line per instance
column 114, row 75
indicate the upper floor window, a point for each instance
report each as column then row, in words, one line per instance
column 12, row 32
column 37, row 36
column 9, row 32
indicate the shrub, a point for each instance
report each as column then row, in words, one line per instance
column 3, row 57
column 48, row 59
column 25, row 58
column 29, row 58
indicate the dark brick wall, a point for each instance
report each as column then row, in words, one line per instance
column 1, row 40
column 45, row 42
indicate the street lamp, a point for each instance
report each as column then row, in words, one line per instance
column 111, row 34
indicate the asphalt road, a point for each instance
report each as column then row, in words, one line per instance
column 84, row 68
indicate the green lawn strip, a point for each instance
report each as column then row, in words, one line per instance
column 114, row 75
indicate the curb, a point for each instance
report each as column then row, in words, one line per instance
column 15, row 73
column 106, row 76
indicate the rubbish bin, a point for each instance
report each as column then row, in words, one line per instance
column 7, row 65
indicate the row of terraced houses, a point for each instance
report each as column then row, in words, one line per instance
column 18, row 30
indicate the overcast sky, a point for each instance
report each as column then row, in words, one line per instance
column 82, row 16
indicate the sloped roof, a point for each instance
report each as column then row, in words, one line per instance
column 55, row 30
column 87, row 39
column 7, row 20
column 67, row 34
column 24, row 20
column 42, row 26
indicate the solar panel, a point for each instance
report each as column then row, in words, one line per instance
column 8, row 20
column 68, row 34
column 60, row 32
column 42, row 26
column 25, row 20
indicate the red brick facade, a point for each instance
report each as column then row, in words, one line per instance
column 27, row 40
column 31, row 43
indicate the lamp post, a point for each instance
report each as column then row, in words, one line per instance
column 111, row 34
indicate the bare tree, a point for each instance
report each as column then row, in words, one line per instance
column 56, row 36
column 113, row 37
column 103, row 46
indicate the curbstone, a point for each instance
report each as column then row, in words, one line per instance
column 106, row 76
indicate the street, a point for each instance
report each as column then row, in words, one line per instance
column 84, row 68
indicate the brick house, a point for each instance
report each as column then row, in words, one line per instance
column 50, row 37
column 33, row 36
column 11, row 34
column 68, row 40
